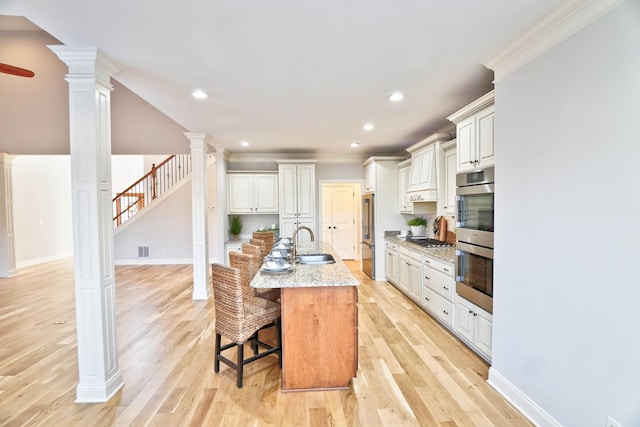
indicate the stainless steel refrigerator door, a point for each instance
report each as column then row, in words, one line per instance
column 368, row 259
column 368, row 230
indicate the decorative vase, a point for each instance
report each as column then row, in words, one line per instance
column 418, row 230
column 235, row 237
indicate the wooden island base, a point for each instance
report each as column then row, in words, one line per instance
column 319, row 337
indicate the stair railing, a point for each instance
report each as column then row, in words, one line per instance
column 151, row 186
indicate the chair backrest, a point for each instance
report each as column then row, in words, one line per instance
column 248, row 248
column 247, row 265
column 267, row 236
column 228, row 299
column 260, row 243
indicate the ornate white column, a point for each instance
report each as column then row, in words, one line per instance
column 7, row 233
column 90, row 138
column 199, row 215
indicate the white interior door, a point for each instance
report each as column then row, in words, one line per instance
column 339, row 218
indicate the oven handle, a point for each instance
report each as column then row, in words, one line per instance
column 473, row 249
column 460, row 216
column 475, row 189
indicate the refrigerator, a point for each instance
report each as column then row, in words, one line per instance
column 367, row 245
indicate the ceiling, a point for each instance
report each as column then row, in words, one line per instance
column 292, row 76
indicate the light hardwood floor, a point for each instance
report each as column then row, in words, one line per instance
column 411, row 371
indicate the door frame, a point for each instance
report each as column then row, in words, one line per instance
column 357, row 185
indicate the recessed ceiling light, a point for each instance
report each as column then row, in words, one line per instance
column 244, row 143
column 354, row 144
column 199, row 94
column 368, row 127
column 396, row 96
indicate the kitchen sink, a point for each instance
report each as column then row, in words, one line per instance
column 316, row 259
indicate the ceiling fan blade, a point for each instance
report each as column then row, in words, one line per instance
column 16, row 71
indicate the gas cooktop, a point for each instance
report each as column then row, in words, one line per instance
column 429, row 243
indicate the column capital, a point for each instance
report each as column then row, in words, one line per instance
column 84, row 62
column 199, row 139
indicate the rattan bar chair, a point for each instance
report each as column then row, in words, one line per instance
column 248, row 265
column 264, row 250
column 248, row 248
column 239, row 318
column 267, row 236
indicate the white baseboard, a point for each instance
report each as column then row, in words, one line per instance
column 158, row 261
column 35, row 261
column 521, row 401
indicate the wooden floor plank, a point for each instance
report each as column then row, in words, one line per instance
column 411, row 371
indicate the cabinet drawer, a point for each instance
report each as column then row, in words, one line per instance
column 390, row 245
column 441, row 266
column 438, row 282
column 437, row 305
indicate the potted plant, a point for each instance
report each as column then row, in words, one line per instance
column 418, row 226
column 235, row 227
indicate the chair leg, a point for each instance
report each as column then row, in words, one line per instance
column 216, row 363
column 254, row 343
column 240, row 364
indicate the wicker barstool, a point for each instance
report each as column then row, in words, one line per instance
column 248, row 248
column 248, row 265
column 239, row 318
column 268, row 237
column 264, row 250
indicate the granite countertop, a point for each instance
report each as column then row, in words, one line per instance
column 445, row 254
column 309, row 275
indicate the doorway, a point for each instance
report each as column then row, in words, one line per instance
column 340, row 217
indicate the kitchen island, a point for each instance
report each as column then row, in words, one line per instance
column 319, row 322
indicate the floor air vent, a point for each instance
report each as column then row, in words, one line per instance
column 143, row 251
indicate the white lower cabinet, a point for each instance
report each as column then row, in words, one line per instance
column 430, row 282
column 410, row 273
column 391, row 261
column 439, row 289
column 474, row 325
column 438, row 306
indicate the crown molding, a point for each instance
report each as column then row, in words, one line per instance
column 557, row 27
column 319, row 158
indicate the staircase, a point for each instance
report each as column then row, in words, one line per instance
column 152, row 185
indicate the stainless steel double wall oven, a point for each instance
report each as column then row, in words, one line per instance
column 474, row 236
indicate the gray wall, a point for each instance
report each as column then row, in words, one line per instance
column 566, row 245
column 34, row 113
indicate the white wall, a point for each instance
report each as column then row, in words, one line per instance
column 125, row 170
column 42, row 208
column 167, row 229
column 566, row 331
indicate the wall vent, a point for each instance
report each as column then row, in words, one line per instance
column 143, row 251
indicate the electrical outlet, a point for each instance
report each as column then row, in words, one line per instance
column 612, row 423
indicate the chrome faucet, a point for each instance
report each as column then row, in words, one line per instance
column 294, row 239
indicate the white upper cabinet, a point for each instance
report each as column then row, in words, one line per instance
column 474, row 126
column 423, row 185
column 370, row 178
column 447, row 176
column 404, row 175
column 297, row 190
column 297, row 184
column 252, row 193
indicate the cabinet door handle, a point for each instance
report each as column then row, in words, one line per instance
column 445, row 288
column 471, row 312
column 445, row 312
column 427, row 299
column 427, row 277
column 446, row 269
